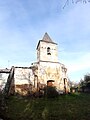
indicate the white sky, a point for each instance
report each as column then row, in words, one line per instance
column 24, row 22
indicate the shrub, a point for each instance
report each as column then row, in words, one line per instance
column 51, row 92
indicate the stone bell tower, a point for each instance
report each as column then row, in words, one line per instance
column 47, row 50
column 47, row 58
column 49, row 68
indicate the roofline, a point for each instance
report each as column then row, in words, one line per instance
column 53, row 62
column 49, row 61
column 23, row 67
column 46, row 42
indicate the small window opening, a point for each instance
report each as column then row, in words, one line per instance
column 48, row 51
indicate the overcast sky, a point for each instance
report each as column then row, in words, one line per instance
column 24, row 22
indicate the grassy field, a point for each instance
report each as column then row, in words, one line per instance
column 66, row 107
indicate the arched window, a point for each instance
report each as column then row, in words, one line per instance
column 48, row 51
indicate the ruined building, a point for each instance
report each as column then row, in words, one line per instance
column 46, row 71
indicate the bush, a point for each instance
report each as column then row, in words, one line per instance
column 2, row 106
column 51, row 92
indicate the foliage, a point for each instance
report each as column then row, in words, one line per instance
column 51, row 92
column 3, row 107
column 85, row 84
column 73, row 86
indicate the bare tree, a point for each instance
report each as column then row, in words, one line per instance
column 75, row 2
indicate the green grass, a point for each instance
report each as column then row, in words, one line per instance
column 66, row 107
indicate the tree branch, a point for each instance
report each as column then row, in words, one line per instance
column 75, row 1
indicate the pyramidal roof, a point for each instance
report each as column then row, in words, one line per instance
column 46, row 38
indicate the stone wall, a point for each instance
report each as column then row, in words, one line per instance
column 52, row 71
column 23, row 80
column 42, row 52
column 3, row 80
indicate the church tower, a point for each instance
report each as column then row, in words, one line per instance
column 50, row 71
column 47, row 59
column 47, row 50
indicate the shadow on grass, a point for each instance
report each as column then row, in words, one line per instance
column 66, row 107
